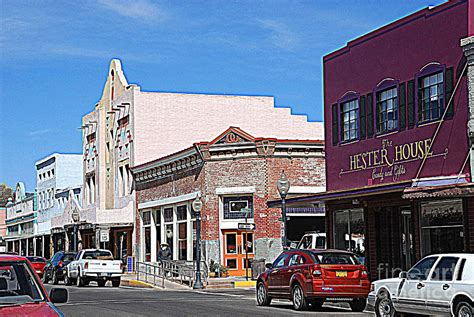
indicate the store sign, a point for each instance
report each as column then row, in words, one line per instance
column 389, row 161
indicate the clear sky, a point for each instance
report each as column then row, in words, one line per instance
column 54, row 58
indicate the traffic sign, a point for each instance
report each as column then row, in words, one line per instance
column 104, row 235
column 246, row 226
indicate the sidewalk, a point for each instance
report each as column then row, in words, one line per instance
column 213, row 283
column 131, row 281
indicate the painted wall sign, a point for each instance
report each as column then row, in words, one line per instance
column 389, row 160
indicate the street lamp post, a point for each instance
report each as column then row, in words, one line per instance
column 197, row 206
column 283, row 186
column 75, row 218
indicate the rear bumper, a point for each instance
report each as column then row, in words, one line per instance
column 340, row 292
column 101, row 275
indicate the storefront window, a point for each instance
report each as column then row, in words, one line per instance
column 349, row 231
column 182, row 241
column 147, row 244
column 442, row 227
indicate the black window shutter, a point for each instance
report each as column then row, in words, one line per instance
column 411, row 103
column 335, row 128
column 402, row 107
column 363, row 119
column 449, row 92
column 370, row 116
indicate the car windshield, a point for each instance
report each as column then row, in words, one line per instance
column 68, row 257
column 336, row 258
column 36, row 259
column 18, row 284
column 98, row 255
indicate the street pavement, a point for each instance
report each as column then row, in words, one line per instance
column 127, row 301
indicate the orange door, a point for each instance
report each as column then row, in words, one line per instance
column 235, row 243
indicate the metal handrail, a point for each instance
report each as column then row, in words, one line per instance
column 174, row 271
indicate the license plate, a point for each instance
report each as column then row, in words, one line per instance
column 104, row 274
column 341, row 273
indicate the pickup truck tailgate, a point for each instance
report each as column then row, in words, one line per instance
column 103, row 266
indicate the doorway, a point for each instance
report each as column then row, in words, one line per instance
column 238, row 246
column 407, row 249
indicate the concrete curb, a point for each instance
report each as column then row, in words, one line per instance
column 244, row 284
column 135, row 283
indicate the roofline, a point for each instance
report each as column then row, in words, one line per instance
column 55, row 154
column 425, row 12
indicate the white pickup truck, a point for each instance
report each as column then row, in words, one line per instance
column 93, row 265
column 439, row 284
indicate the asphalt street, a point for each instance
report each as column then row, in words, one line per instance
column 125, row 301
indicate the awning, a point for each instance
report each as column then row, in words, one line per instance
column 443, row 191
column 344, row 194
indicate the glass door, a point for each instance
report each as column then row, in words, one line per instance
column 407, row 251
column 236, row 243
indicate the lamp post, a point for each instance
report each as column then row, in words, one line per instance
column 197, row 206
column 283, row 186
column 75, row 219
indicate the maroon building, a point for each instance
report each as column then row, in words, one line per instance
column 396, row 112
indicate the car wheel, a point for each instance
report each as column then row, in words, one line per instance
column 55, row 278
column 101, row 283
column 116, row 283
column 80, row 280
column 464, row 309
column 262, row 295
column 299, row 301
column 358, row 305
column 384, row 306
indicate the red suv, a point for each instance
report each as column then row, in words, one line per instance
column 311, row 277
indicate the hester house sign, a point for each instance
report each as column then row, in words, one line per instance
column 388, row 162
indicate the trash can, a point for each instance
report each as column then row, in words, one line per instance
column 258, row 266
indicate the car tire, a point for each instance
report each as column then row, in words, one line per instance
column 358, row 305
column 316, row 304
column 55, row 279
column 463, row 309
column 101, row 283
column 384, row 306
column 262, row 295
column 116, row 283
column 67, row 280
column 298, row 298
column 79, row 280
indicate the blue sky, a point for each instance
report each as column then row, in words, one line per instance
column 54, row 57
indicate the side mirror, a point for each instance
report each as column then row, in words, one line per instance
column 58, row 295
column 403, row 274
column 269, row 266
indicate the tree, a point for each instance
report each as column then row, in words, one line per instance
column 5, row 193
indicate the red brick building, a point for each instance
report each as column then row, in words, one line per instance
column 232, row 172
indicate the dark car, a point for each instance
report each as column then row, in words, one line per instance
column 54, row 270
column 312, row 277
column 38, row 264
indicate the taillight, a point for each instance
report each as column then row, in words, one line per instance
column 316, row 271
column 364, row 274
column 60, row 263
column 86, row 265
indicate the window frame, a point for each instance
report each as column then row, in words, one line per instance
column 348, row 97
column 426, row 71
column 385, row 85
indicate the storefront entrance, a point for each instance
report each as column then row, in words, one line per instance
column 236, row 244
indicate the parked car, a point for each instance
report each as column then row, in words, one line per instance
column 38, row 264
column 55, row 269
column 312, row 277
column 436, row 285
column 22, row 293
column 94, row 265
column 312, row 240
